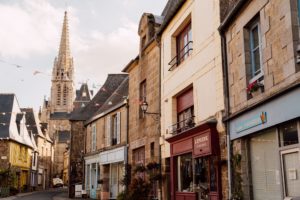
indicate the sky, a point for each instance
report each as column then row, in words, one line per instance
column 103, row 39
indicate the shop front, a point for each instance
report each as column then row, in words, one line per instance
column 270, row 136
column 112, row 172
column 92, row 176
column 195, row 170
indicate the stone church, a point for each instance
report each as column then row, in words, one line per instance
column 57, row 110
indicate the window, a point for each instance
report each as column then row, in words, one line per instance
column 139, row 159
column 185, row 173
column 184, row 46
column 94, row 135
column 113, row 129
column 288, row 134
column 152, row 149
column 143, row 93
column 185, row 111
column 255, row 51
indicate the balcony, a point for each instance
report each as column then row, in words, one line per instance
column 183, row 125
column 181, row 56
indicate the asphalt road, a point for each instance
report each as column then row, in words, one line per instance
column 52, row 194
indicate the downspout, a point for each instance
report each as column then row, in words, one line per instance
column 227, row 108
column 159, row 107
column 127, row 139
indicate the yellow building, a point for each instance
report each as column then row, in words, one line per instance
column 16, row 144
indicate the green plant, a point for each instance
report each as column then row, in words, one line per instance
column 237, row 193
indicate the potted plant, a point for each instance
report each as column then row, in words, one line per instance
column 254, row 88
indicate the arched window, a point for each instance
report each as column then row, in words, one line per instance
column 58, row 99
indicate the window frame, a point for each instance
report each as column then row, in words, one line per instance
column 94, row 137
column 254, row 76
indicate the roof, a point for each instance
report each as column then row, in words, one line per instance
column 83, row 94
column 170, row 10
column 59, row 115
column 6, row 105
column 112, row 82
column 117, row 98
column 31, row 122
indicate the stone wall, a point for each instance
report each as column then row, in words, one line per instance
column 279, row 38
column 4, row 153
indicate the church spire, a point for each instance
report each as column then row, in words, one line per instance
column 64, row 56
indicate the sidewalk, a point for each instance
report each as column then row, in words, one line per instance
column 35, row 192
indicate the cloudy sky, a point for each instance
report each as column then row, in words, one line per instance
column 103, row 39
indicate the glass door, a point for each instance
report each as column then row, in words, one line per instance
column 291, row 171
column 113, row 181
column 93, row 193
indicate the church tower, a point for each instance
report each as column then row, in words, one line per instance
column 62, row 89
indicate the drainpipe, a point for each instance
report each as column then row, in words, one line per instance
column 127, row 139
column 159, row 107
column 227, row 108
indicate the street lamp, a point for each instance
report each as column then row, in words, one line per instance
column 144, row 107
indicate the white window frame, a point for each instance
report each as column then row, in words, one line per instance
column 252, row 49
column 94, row 136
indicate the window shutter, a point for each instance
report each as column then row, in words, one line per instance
column 108, row 130
column 118, row 127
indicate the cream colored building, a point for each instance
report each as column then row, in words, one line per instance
column 191, row 93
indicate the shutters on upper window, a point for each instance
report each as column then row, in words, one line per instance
column 118, row 127
column 108, row 131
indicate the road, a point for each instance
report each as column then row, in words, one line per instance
column 52, row 194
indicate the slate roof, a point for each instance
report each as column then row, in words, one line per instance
column 169, row 12
column 31, row 123
column 112, row 82
column 80, row 93
column 59, row 115
column 6, row 105
column 117, row 97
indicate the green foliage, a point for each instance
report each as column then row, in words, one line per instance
column 237, row 193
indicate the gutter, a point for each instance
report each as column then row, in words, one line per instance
column 227, row 109
column 231, row 15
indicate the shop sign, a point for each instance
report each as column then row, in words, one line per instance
column 251, row 122
column 3, row 157
column 202, row 144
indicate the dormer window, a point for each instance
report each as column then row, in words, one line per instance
column 84, row 94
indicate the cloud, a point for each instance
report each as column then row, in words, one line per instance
column 28, row 28
column 106, row 52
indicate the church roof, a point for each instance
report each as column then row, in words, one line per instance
column 112, row 82
column 83, row 94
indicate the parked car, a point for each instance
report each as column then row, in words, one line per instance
column 57, row 182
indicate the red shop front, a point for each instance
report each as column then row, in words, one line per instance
column 195, row 170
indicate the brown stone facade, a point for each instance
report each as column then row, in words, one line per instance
column 279, row 40
column 144, row 85
column 4, row 154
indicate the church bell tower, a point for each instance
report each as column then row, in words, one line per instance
column 62, row 88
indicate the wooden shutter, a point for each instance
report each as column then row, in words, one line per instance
column 118, row 127
column 108, row 130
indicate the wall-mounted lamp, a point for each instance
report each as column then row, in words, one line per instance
column 144, row 107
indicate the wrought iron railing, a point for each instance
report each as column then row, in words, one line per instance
column 185, row 51
column 182, row 126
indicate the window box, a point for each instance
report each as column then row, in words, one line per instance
column 255, row 88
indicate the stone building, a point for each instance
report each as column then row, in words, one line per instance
column 260, row 40
column 106, row 142
column 56, row 111
column 78, row 129
column 144, row 88
column 193, row 137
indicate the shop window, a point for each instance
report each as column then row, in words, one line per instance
column 202, row 177
column 87, row 176
column 184, row 46
column 185, row 173
column 289, row 134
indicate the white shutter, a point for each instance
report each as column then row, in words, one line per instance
column 118, row 127
column 108, row 130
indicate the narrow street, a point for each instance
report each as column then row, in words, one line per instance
column 52, row 194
